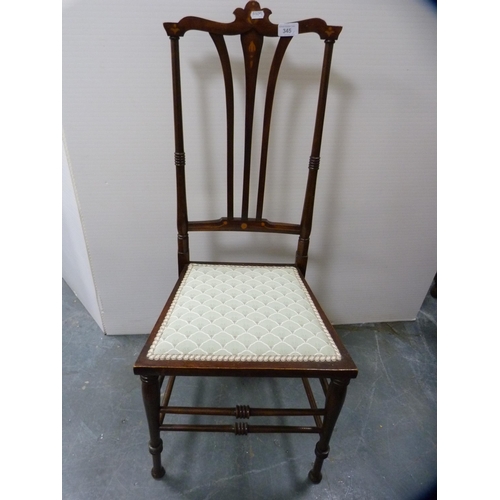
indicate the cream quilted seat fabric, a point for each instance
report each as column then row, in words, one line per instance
column 243, row 313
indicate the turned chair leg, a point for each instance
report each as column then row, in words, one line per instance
column 334, row 400
column 151, row 398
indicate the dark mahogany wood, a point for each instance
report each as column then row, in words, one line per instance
column 333, row 376
column 268, row 108
column 334, row 402
column 244, row 23
column 251, row 42
column 220, row 44
column 151, row 398
column 240, row 224
column 180, row 160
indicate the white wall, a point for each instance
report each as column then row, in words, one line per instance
column 373, row 248
column 76, row 269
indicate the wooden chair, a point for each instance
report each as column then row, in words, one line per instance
column 245, row 320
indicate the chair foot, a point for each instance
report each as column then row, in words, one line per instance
column 315, row 473
column 157, row 471
column 158, row 474
column 315, row 477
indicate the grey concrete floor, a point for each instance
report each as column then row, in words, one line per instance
column 383, row 447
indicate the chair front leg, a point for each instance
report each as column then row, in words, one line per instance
column 151, row 398
column 334, row 401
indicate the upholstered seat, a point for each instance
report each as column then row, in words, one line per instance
column 243, row 313
column 245, row 320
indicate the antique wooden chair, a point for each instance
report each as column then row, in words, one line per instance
column 245, row 320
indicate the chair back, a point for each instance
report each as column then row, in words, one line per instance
column 252, row 25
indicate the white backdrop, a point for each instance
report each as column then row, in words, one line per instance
column 373, row 245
